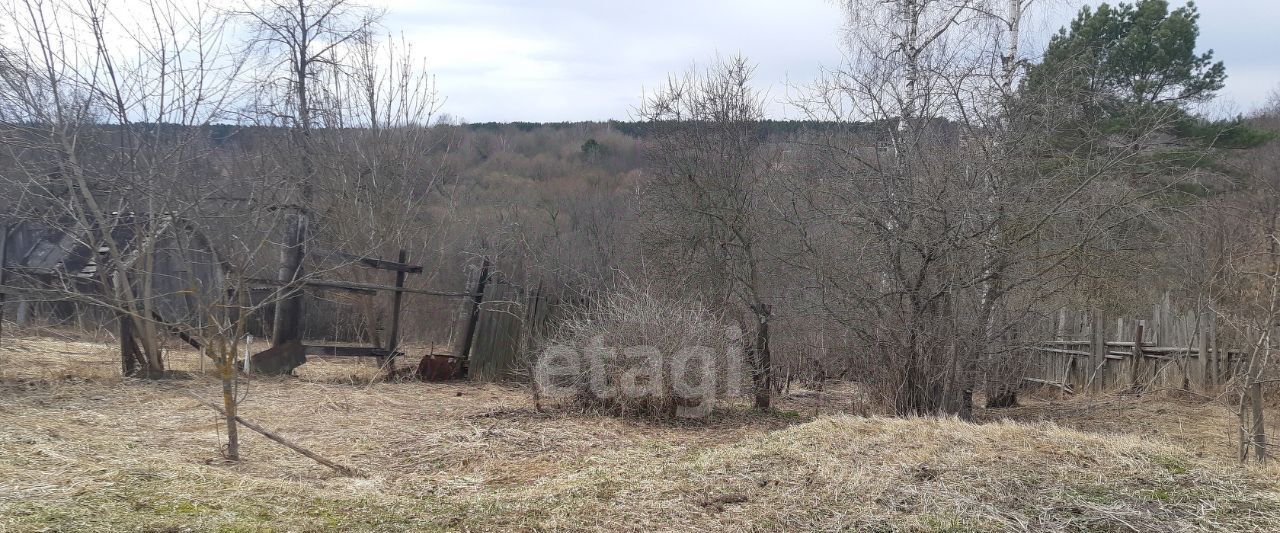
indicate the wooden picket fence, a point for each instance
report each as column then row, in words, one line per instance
column 1091, row 352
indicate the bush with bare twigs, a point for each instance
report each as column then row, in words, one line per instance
column 634, row 352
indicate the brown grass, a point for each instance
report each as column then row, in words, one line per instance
column 84, row 450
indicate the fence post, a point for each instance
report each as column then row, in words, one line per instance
column 1151, row 330
column 393, row 340
column 1164, row 323
column 473, row 319
column 1135, row 358
column 4, row 247
column 1098, row 350
column 1216, row 358
column 248, row 354
column 1206, row 372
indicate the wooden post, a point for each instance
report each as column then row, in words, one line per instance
column 248, row 355
column 4, row 248
column 1164, row 326
column 1151, row 330
column 1206, row 369
column 1098, row 350
column 393, row 340
column 1059, row 367
column 1216, row 358
column 23, row 313
column 477, row 298
column 1136, row 364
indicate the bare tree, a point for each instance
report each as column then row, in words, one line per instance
column 1229, row 255
column 97, row 135
column 109, row 150
column 300, row 41
column 708, row 204
column 955, row 207
column 121, row 153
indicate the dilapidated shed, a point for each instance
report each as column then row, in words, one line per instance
column 63, row 268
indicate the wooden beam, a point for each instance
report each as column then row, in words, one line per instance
column 173, row 328
column 322, row 350
column 1065, row 388
column 4, row 248
column 275, row 285
column 370, row 262
column 344, row 470
column 1078, row 353
column 360, row 287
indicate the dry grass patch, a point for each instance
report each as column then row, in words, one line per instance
column 94, row 452
column 1192, row 422
column 850, row 473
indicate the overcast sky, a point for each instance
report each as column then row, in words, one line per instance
column 563, row 60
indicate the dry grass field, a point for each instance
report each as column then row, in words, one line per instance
column 84, row 450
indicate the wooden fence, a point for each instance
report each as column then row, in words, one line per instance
column 507, row 320
column 1089, row 351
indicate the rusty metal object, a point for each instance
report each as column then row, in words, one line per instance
column 435, row 367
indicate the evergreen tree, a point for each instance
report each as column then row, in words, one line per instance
column 1128, row 65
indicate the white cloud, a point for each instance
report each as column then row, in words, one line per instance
column 552, row 60
column 590, row 60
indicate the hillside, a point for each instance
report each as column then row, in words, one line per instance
column 87, row 451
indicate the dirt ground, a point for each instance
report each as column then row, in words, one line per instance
column 82, row 449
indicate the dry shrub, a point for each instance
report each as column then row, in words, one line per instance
column 634, row 353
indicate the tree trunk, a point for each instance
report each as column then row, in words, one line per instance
column 1259, row 431
column 129, row 356
column 227, row 366
column 287, row 325
column 762, row 359
column 1003, row 396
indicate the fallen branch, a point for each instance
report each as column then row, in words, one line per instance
column 1065, row 388
column 344, row 470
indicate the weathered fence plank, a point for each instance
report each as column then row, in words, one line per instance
column 1188, row 356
